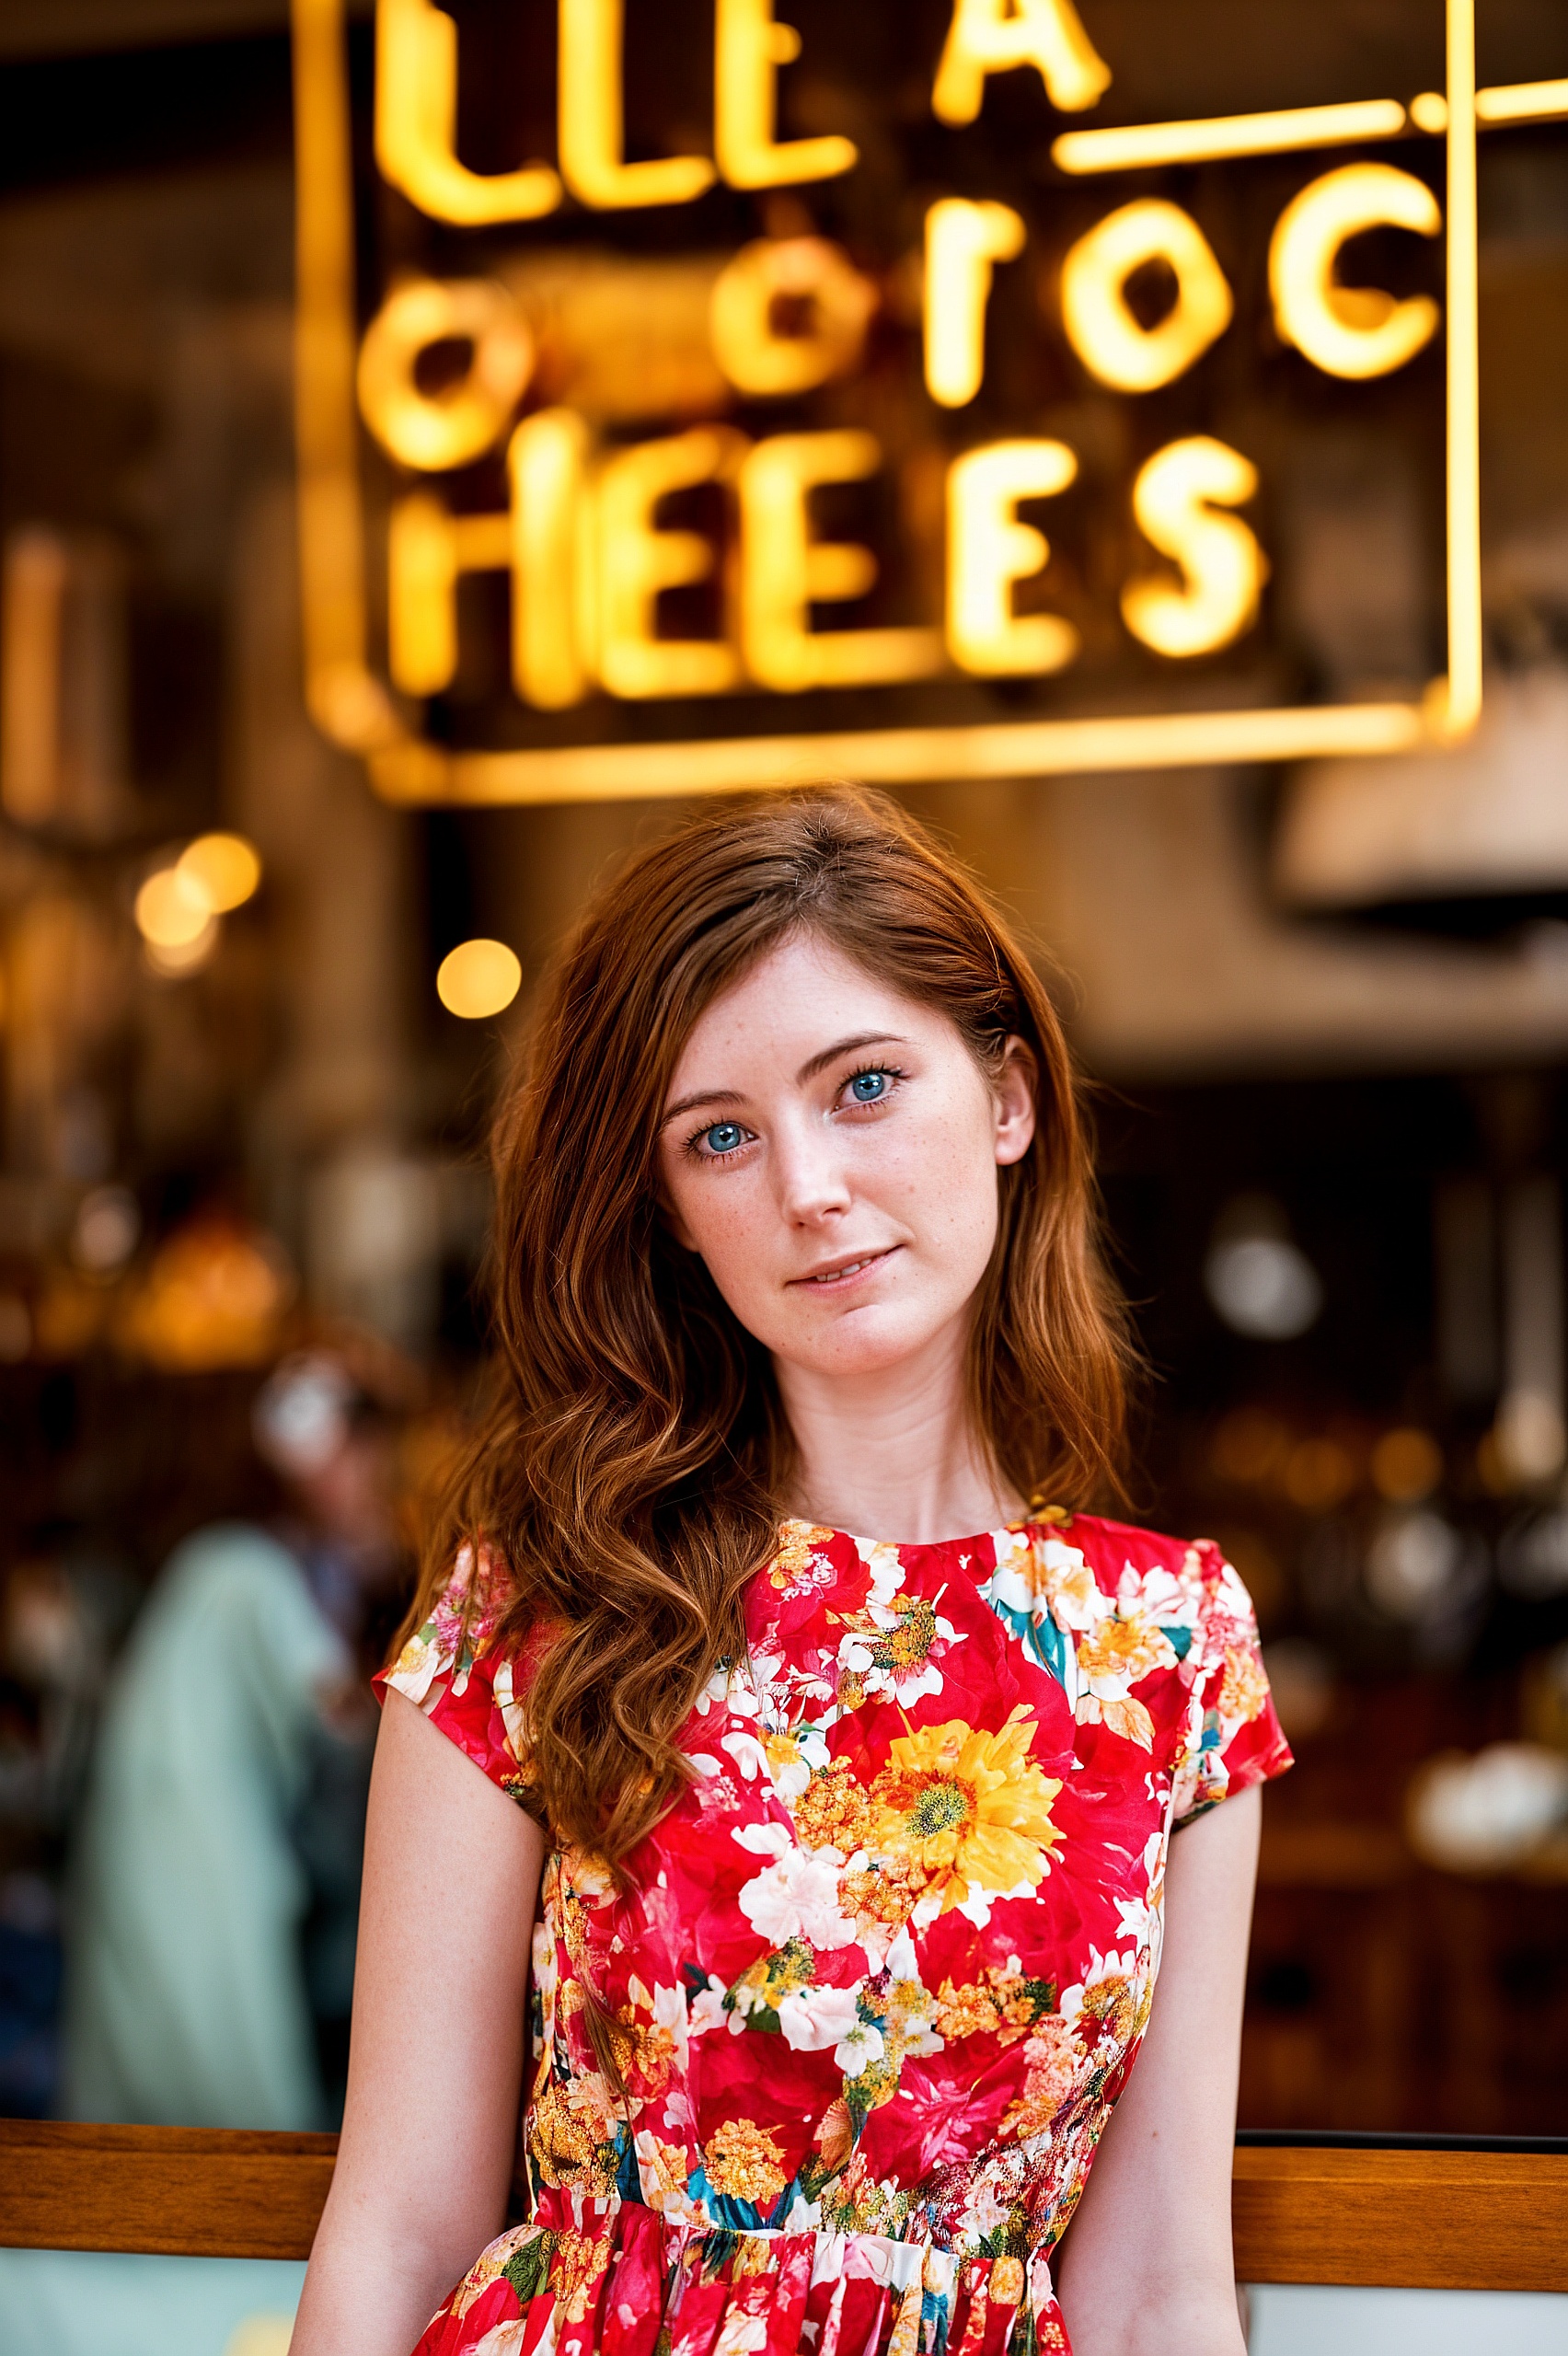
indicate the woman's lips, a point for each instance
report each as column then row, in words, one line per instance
column 845, row 1273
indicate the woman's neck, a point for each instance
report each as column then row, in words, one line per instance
column 893, row 1455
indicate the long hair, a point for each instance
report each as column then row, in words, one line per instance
column 630, row 1474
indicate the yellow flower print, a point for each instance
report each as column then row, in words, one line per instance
column 833, row 1811
column 580, row 2259
column 793, row 1565
column 1005, row 2003
column 560, row 2143
column 970, row 1808
column 745, row 2162
column 1124, row 1651
column 1006, row 2281
column 1243, row 1689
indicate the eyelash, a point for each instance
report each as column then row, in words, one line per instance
column 892, row 1072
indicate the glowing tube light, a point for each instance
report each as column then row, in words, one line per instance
column 1228, row 134
column 1522, row 102
column 1463, row 706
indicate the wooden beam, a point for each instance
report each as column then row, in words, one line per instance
column 198, row 2192
column 1481, row 2221
column 1441, row 2221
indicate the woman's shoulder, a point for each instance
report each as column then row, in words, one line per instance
column 1121, row 1552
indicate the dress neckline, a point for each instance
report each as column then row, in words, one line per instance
column 797, row 1522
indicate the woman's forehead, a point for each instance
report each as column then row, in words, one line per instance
column 797, row 999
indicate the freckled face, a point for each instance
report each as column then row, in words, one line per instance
column 830, row 1147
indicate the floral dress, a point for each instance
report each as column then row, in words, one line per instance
column 880, row 1975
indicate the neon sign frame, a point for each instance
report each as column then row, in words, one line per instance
column 355, row 709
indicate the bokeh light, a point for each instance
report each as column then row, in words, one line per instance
column 224, row 867
column 479, row 979
column 172, row 909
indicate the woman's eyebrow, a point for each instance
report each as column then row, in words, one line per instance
column 701, row 1096
column 851, row 1046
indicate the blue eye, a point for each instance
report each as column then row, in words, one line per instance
column 724, row 1136
column 867, row 1087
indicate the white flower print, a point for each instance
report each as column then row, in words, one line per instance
column 707, row 2011
column 812, row 2019
column 859, row 2047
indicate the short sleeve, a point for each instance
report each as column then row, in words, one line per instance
column 1230, row 1734
column 471, row 1687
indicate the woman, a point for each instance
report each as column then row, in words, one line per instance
column 857, row 1847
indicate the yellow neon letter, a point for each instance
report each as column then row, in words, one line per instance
column 1104, row 332
column 995, row 36
column 1349, row 330
column 784, row 573
column 990, row 549
column 963, row 240
column 592, row 134
column 1222, row 566
column 416, row 126
column 546, row 460
column 444, row 429
column 427, row 549
column 747, row 344
column 751, row 49
column 637, row 560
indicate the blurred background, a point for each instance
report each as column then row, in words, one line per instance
column 243, row 1190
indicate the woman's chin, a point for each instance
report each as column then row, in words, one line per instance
column 866, row 1342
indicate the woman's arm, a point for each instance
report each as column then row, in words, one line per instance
column 435, row 2065
column 1146, row 2266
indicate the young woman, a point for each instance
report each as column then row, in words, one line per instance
column 855, row 1827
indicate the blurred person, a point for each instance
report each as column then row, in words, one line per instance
column 815, row 1883
column 52, row 1649
column 187, row 1998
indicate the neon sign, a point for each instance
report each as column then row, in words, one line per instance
column 904, row 479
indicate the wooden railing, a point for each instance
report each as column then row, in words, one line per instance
column 1491, row 2219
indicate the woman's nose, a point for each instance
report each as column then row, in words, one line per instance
column 809, row 1172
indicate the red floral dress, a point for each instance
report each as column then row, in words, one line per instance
column 884, row 1970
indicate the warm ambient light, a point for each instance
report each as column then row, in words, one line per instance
column 552, row 620
column 446, row 427
column 990, row 549
column 225, row 868
column 1176, row 500
column 1112, row 344
column 785, row 571
column 1353, row 331
column 997, row 36
column 477, row 978
column 750, row 48
column 1228, row 134
column 962, row 241
column 1522, row 101
column 172, row 909
column 590, row 129
column 812, row 272
column 637, row 558
column 416, row 126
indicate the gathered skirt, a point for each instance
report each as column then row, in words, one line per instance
column 612, row 2278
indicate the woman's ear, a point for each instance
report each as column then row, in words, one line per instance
column 1013, row 1094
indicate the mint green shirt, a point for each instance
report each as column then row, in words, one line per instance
column 186, row 2002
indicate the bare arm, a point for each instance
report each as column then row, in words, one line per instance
column 1146, row 2266
column 435, row 2065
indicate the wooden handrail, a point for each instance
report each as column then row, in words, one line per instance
column 1428, row 2220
